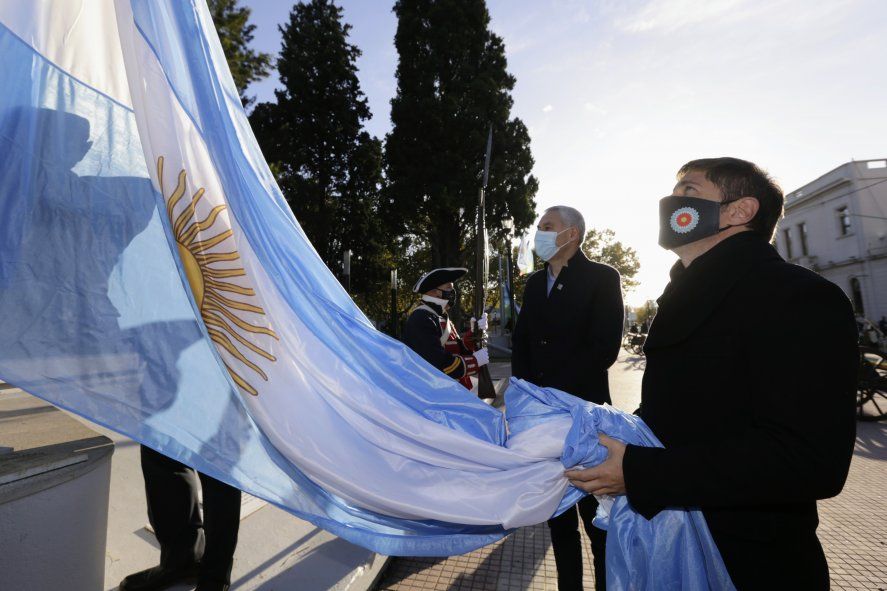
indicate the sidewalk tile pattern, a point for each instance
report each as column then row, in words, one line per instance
column 522, row 561
column 853, row 525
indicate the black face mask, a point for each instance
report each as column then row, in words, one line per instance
column 683, row 220
column 449, row 295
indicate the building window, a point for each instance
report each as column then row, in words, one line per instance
column 844, row 221
column 856, row 295
column 802, row 232
column 787, row 235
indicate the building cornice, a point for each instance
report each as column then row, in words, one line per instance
column 805, row 195
column 848, row 172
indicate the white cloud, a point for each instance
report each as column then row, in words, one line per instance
column 593, row 108
column 670, row 15
column 547, row 109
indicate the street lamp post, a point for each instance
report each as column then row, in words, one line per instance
column 508, row 225
column 346, row 268
column 394, row 303
column 502, row 290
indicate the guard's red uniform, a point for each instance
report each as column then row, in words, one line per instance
column 460, row 349
column 433, row 336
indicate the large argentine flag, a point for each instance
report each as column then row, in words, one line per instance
column 153, row 279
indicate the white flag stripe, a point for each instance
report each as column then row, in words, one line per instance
column 79, row 36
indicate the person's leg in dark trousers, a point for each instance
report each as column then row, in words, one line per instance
column 598, row 537
column 173, row 510
column 171, row 493
column 221, row 523
column 567, row 546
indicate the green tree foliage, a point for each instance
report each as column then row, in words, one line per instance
column 327, row 166
column 452, row 86
column 602, row 246
column 235, row 33
column 646, row 312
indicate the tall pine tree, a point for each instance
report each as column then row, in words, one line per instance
column 327, row 166
column 235, row 33
column 452, row 85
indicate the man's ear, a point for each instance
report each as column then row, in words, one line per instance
column 743, row 211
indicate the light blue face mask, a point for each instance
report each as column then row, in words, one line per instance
column 545, row 244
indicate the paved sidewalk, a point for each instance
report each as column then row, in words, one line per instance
column 853, row 527
column 524, row 560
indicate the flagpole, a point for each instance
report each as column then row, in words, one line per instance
column 485, row 388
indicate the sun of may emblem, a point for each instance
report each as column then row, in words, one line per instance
column 684, row 220
column 210, row 267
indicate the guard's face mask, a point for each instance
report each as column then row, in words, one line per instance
column 449, row 295
column 683, row 220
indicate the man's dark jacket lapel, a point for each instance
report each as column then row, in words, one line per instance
column 695, row 292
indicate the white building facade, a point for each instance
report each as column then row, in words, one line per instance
column 837, row 226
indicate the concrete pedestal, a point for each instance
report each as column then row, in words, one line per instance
column 54, row 484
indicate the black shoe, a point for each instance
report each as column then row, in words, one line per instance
column 159, row 577
column 212, row 586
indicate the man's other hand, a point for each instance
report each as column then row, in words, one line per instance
column 606, row 478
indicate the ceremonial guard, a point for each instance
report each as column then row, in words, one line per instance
column 430, row 332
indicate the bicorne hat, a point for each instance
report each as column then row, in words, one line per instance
column 432, row 279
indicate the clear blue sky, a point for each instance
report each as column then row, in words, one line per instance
column 618, row 94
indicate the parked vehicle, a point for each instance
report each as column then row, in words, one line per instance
column 633, row 342
column 871, row 389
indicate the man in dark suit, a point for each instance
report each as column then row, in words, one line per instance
column 749, row 384
column 567, row 334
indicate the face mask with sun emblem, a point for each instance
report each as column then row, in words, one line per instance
column 683, row 220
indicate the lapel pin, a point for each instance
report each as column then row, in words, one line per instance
column 560, row 286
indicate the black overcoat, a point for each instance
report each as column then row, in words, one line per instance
column 750, row 385
column 568, row 339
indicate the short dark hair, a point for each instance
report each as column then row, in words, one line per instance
column 572, row 217
column 739, row 178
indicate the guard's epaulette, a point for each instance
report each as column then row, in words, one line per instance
column 423, row 308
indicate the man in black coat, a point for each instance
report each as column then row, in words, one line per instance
column 567, row 334
column 750, row 384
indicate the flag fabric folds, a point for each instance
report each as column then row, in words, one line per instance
column 154, row 280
